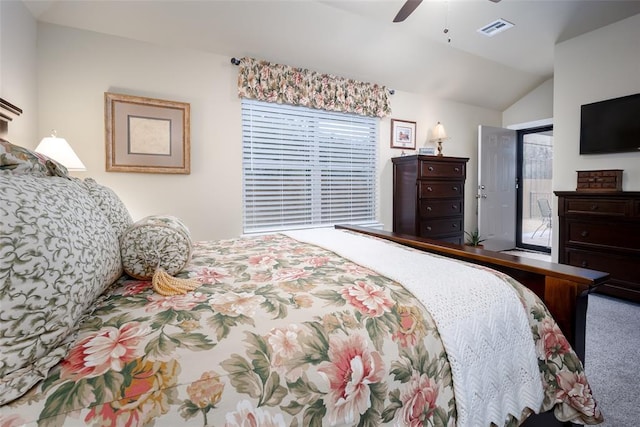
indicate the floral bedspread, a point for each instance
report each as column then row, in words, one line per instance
column 281, row 333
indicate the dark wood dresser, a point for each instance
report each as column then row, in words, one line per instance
column 428, row 196
column 601, row 231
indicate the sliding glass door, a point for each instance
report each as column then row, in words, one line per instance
column 535, row 195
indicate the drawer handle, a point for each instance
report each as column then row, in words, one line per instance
column 429, row 189
column 454, row 225
column 428, row 208
column 594, row 207
column 584, row 264
column 428, row 228
column 430, row 168
column 454, row 207
column 455, row 188
column 456, row 169
column 585, row 233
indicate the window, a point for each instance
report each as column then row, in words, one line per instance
column 306, row 168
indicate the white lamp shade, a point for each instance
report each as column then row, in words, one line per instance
column 59, row 150
column 439, row 133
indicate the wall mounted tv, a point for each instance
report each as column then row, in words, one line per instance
column 610, row 126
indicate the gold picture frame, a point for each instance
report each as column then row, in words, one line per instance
column 146, row 135
column 403, row 134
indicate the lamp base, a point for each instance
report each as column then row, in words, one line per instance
column 440, row 148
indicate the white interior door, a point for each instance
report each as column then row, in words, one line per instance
column 497, row 187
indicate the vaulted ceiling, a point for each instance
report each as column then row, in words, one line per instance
column 357, row 38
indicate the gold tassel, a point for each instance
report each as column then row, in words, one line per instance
column 167, row 285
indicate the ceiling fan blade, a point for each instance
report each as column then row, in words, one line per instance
column 406, row 10
column 495, row 1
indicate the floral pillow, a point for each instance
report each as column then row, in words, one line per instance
column 20, row 160
column 58, row 253
column 155, row 241
column 111, row 205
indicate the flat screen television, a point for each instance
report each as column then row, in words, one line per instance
column 610, row 126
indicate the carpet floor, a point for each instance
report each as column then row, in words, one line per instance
column 612, row 359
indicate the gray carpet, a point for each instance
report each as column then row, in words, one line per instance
column 612, row 359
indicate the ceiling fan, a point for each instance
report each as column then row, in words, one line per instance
column 409, row 6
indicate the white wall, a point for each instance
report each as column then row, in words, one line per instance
column 80, row 66
column 599, row 65
column 18, row 69
column 461, row 123
column 535, row 106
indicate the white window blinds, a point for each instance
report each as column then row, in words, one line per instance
column 306, row 168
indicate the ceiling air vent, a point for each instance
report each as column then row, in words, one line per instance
column 497, row 26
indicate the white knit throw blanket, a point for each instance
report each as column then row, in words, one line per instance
column 481, row 321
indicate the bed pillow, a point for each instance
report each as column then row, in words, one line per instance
column 155, row 241
column 58, row 253
column 20, row 160
column 111, row 205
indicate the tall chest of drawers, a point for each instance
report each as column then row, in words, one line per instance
column 601, row 231
column 428, row 196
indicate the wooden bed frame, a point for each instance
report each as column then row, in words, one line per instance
column 7, row 112
column 563, row 288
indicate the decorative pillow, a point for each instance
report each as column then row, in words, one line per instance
column 155, row 241
column 20, row 160
column 58, row 253
column 111, row 205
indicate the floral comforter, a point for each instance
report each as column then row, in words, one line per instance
column 281, row 333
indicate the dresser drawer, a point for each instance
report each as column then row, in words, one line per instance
column 457, row 239
column 440, row 189
column 434, row 168
column 620, row 267
column 433, row 227
column 430, row 208
column 596, row 207
column 604, row 234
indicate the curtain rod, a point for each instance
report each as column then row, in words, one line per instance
column 236, row 61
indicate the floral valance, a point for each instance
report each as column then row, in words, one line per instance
column 284, row 84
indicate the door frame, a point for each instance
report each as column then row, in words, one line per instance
column 520, row 133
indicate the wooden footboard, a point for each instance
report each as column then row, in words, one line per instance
column 563, row 288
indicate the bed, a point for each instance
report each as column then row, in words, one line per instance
column 345, row 326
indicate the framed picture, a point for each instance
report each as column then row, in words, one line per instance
column 146, row 134
column 403, row 134
column 427, row 151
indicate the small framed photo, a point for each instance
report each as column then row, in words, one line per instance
column 403, row 134
column 427, row 151
column 146, row 135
